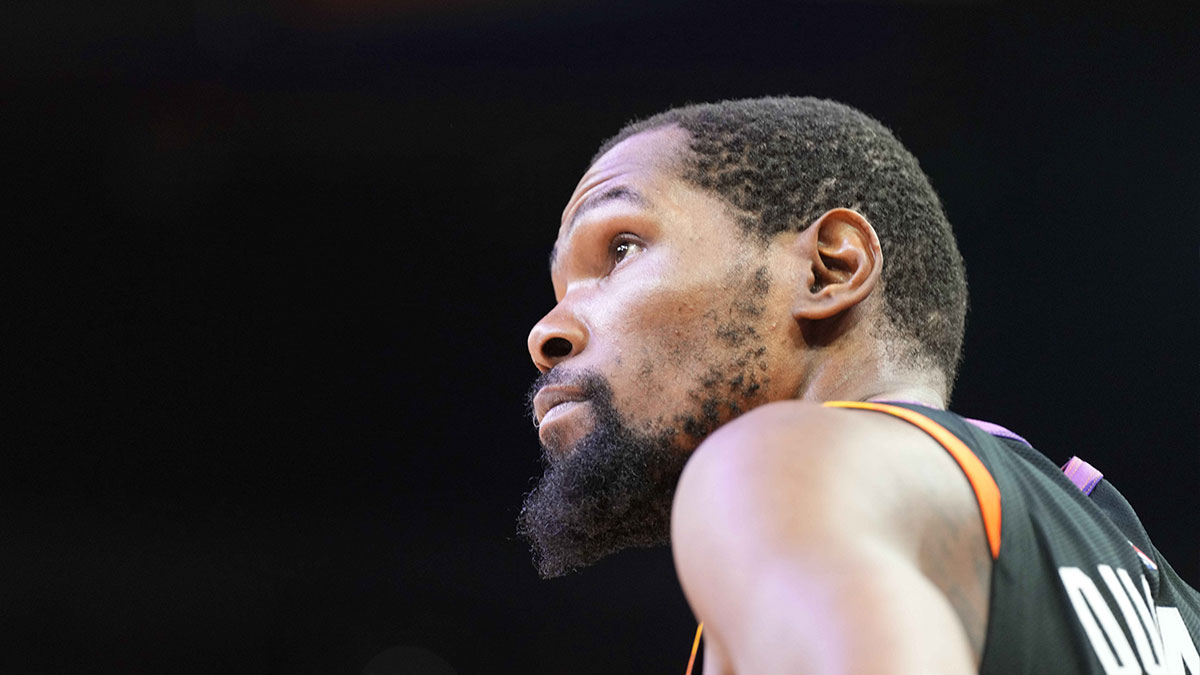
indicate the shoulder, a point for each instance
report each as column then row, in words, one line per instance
column 793, row 484
column 834, row 465
column 823, row 455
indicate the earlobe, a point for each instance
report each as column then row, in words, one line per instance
column 843, row 262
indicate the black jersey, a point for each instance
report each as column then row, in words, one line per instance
column 1077, row 587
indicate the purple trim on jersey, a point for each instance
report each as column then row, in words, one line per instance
column 986, row 427
column 997, row 430
column 1085, row 476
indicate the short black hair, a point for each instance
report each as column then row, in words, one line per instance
column 782, row 162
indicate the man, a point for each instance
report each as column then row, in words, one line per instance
column 768, row 292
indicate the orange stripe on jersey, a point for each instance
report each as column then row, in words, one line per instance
column 986, row 491
column 695, row 644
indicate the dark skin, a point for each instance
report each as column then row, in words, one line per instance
column 807, row 539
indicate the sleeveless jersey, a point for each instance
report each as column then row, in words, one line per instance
column 1076, row 586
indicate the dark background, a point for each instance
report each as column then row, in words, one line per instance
column 275, row 266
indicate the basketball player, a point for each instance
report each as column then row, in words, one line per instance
column 760, row 313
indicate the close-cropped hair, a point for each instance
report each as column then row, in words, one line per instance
column 782, row 162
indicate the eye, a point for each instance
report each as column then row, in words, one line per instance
column 622, row 246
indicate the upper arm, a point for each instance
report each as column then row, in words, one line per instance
column 809, row 538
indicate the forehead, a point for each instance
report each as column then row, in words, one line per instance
column 641, row 167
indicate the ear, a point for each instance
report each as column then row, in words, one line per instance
column 842, row 263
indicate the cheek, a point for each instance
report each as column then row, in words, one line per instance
column 666, row 338
column 677, row 346
column 708, row 355
column 652, row 308
column 671, row 327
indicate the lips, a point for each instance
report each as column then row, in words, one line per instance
column 548, row 398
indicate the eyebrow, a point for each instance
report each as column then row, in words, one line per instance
column 614, row 193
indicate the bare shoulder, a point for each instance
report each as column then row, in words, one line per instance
column 794, row 485
column 839, row 456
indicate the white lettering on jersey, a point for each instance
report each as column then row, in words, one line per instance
column 1163, row 644
column 1139, row 624
column 1180, row 649
column 1090, row 608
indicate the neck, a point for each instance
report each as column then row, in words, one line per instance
column 871, row 377
column 907, row 392
column 923, row 395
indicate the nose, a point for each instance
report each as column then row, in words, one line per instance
column 557, row 337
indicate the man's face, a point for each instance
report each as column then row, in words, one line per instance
column 668, row 324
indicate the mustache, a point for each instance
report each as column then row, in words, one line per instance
column 590, row 382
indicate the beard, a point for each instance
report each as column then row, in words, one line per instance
column 611, row 491
column 614, row 489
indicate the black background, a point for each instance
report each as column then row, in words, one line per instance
column 275, row 266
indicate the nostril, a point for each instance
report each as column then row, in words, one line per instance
column 556, row 348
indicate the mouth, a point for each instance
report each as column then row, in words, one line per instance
column 553, row 401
